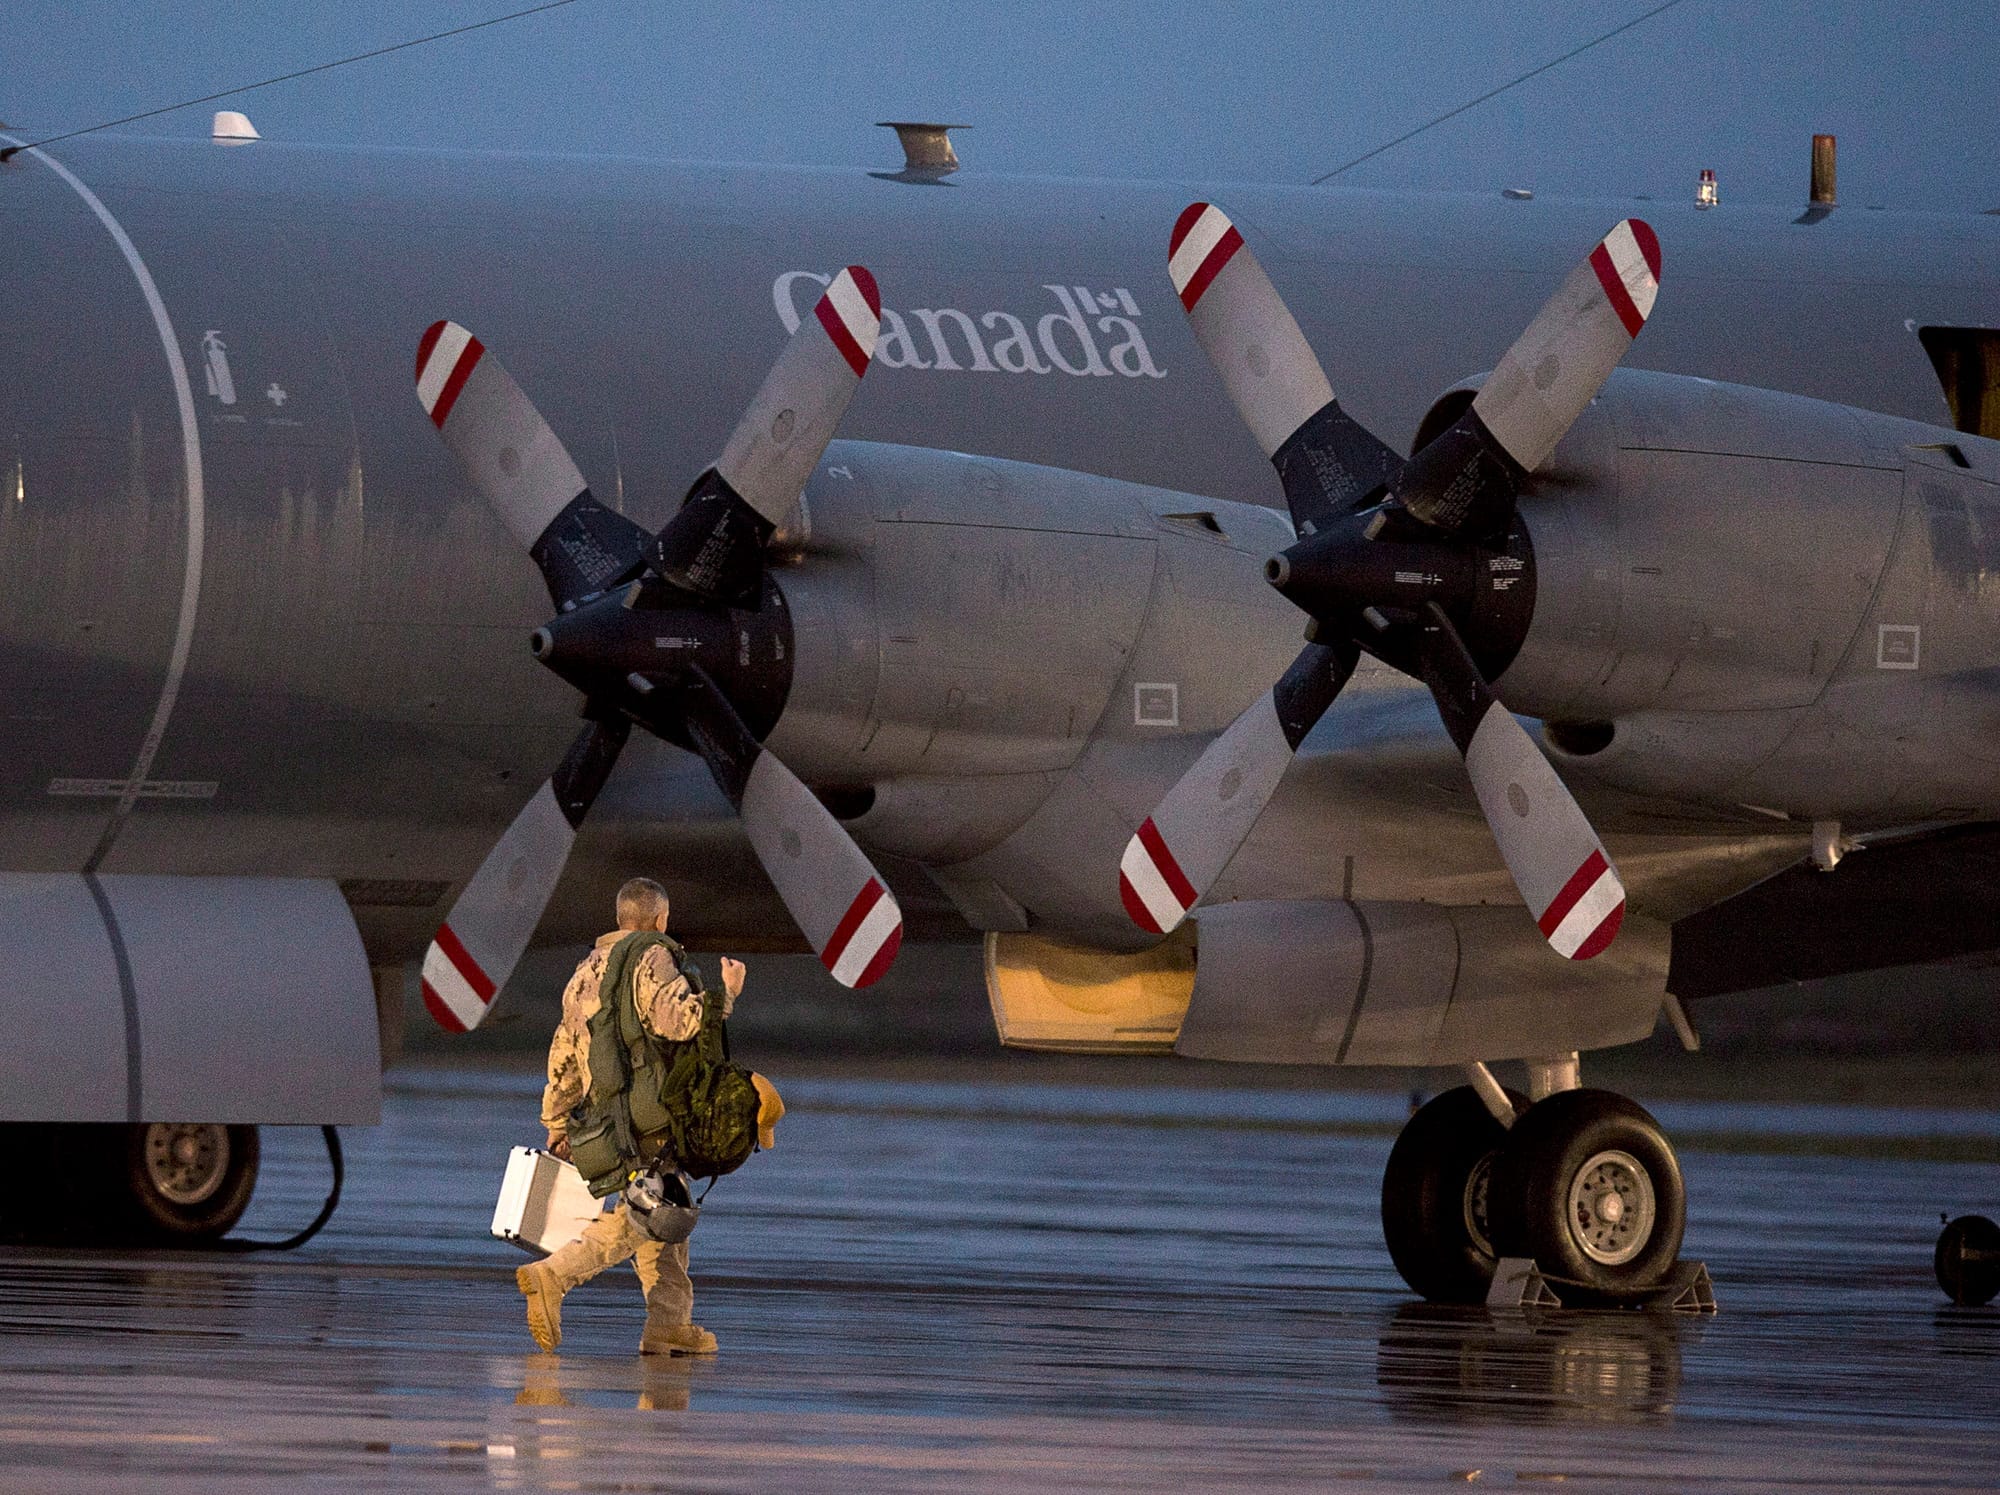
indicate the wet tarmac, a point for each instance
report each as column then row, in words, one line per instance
column 1005, row 1285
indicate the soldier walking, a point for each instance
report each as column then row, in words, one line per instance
column 674, row 1017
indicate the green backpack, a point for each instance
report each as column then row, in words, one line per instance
column 649, row 1097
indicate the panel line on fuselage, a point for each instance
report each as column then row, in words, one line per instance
column 177, row 662
column 128, row 996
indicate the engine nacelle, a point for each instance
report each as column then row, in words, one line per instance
column 1746, row 597
column 965, row 626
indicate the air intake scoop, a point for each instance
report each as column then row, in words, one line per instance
column 927, row 147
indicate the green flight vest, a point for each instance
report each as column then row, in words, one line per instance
column 650, row 1097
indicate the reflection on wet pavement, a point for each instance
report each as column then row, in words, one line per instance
column 993, row 1286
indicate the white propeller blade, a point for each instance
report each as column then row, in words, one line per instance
column 1244, row 327
column 481, row 939
column 1184, row 844
column 480, row 942
column 1182, row 847
column 835, row 896
column 779, row 440
column 1557, row 365
column 1551, row 851
column 1326, row 460
column 1556, row 860
column 516, row 462
column 520, row 466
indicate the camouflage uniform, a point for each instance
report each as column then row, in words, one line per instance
column 668, row 1009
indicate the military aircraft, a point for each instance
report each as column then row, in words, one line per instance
column 1016, row 656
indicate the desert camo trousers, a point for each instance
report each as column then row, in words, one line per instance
column 662, row 1269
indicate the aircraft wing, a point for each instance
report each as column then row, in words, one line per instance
column 1921, row 899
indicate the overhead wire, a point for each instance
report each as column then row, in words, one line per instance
column 1494, row 93
column 325, row 67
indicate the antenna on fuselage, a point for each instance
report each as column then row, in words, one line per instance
column 1822, row 198
column 232, row 127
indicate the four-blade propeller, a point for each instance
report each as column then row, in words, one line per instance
column 1395, row 557
column 682, row 632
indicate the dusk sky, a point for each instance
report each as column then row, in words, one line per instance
column 1202, row 92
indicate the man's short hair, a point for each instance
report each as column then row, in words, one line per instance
column 641, row 903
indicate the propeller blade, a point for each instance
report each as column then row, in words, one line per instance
column 1465, row 478
column 1326, row 460
column 1557, row 366
column 521, row 468
column 713, row 546
column 481, row 939
column 1548, row 844
column 1182, row 847
column 834, row 894
column 776, row 445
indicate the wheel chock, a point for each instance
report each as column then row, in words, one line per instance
column 1518, row 1285
column 1687, row 1289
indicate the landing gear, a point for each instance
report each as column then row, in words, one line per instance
column 163, row 1183
column 185, row 1182
column 1968, row 1260
column 1588, row 1187
column 1435, row 1197
column 1584, row 1183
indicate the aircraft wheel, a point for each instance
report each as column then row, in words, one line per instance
column 1968, row 1260
column 1434, row 1197
column 185, row 1182
column 1588, row 1186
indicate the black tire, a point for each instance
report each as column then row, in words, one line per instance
column 179, row 1184
column 1549, row 1159
column 1433, row 1198
column 1968, row 1260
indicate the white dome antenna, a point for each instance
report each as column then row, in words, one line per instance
column 232, row 127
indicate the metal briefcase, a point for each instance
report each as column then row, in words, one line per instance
column 544, row 1202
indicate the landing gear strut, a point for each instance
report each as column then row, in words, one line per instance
column 1583, row 1182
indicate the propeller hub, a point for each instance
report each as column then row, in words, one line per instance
column 617, row 648
column 1353, row 584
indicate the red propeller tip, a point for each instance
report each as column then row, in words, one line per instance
column 866, row 282
column 442, row 1015
column 1189, row 215
column 1649, row 244
column 428, row 342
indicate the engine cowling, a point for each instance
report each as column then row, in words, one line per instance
column 964, row 627
column 1747, row 597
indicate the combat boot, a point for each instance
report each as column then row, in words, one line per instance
column 679, row 1339
column 539, row 1285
